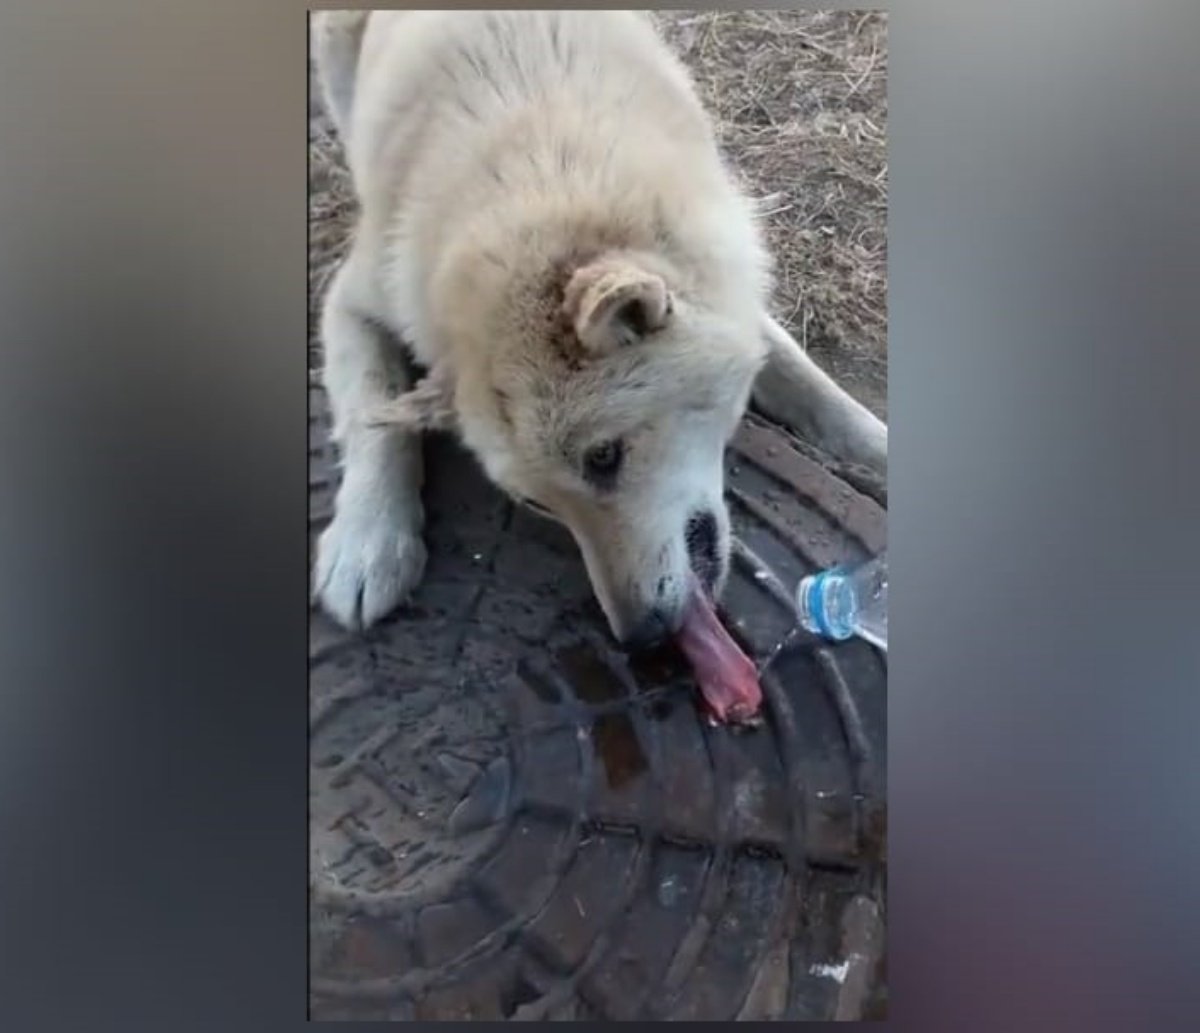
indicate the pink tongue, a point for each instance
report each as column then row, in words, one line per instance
column 727, row 678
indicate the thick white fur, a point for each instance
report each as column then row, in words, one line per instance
column 523, row 177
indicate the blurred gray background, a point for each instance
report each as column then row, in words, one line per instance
column 1044, row 796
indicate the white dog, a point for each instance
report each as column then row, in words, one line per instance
column 546, row 222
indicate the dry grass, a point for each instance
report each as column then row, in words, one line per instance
column 800, row 100
column 331, row 208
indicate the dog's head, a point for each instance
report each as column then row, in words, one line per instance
column 605, row 399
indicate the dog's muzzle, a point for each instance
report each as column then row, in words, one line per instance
column 537, row 507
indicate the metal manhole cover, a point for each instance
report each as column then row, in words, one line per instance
column 508, row 819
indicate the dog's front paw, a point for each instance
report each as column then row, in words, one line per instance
column 366, row 569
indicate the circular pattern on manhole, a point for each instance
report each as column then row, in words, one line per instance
column 511, row 819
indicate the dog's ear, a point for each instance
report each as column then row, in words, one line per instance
column 428, row 405
column 613, row 302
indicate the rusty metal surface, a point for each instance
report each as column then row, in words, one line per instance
column 509, row 819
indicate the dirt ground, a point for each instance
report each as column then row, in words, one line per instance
column 800, row 102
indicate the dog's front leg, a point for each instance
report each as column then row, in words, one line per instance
column 371, row 555
column 796, row 392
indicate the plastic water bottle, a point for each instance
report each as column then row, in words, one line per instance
column 846, row 601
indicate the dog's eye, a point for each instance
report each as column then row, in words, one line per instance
column 601, row 462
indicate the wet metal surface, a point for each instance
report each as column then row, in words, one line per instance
column 509, row 818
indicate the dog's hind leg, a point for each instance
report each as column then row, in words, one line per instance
column 796, row 392
column 371, row 555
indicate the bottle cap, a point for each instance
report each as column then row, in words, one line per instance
column 812, row 605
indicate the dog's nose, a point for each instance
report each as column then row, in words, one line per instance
column 650, row 631
column 701, row 538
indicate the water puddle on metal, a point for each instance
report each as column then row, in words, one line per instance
column 616, row 743
column 613, row 735
column 538, row 683
column 592, row 680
